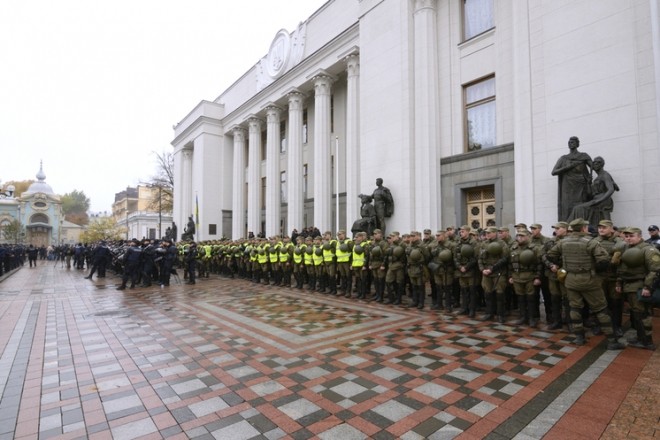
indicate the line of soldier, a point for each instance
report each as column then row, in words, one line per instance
column 465, row 271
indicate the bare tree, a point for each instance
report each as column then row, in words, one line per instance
column 163, row 180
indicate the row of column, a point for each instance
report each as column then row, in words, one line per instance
column 322, row 176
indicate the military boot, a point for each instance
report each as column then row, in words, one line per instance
column 501, row 311
column 449, row 299
column 556, row 313
column 488, row 297
column 580, row 338
column 465, row 302
column 421, row 298
column 473, row 298
column 532, row 309
column 390, row 293
column 523, row 310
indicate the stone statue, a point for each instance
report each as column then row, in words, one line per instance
column 189, row 230
column 168, row 233
column 601, row 205
column 174, row 231
column 383, row 203
column 574, row 172
column 367, row 221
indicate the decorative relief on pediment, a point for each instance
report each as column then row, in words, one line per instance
column 286, row 50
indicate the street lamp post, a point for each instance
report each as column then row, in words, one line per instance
column 160, row 212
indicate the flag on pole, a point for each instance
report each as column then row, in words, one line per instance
column 196, row 212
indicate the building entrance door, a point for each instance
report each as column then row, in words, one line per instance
column 481, row 211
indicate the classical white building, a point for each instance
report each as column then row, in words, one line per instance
column 463, row 107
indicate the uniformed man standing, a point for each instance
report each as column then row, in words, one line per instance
column 614, row 247
column 525, row 269
column 465, row 262
column 417, row 257
column 395, row 263
column 493, row 260
column 359, row 264
column 558, row 297
column 343, row 250
column 582, row 257
column 638, row 271
column 377, row 253
column 442, row 270
column 543, row 290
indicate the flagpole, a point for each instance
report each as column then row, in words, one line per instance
column 337, row 183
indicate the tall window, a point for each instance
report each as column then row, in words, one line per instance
column 304, row 131
column 263, row 193
column 480, row 126
column 283, row 186
column 305, row 173
column 477, row 17
column 282, row 137
column 264, row 145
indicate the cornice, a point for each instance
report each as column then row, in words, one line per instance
column 202, row 120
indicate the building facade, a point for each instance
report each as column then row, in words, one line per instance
column 132, row 210
column 463, row 107
column 39, row 212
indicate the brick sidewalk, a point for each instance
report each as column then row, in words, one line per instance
column 229, row 359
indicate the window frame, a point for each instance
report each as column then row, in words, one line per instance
column 467, row 106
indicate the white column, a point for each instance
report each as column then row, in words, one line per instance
column 352, row 139
column 186, row 196
column 238, row 183
column 523, row 152
column 426, row 200
column 295, row 200
column 322, row 153
column 254, row 176
column 273, row 199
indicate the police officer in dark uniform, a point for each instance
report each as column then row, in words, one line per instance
column 583, row 258
column 132, row 259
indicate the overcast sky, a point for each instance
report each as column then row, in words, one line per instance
column 93, row 88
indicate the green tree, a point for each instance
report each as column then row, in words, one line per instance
column 103, row 228
column 13, row 231
column 75, row 206
column 163, row 180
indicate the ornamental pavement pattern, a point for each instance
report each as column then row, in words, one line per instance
column 228, row 359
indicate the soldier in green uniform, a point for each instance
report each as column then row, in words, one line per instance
column 298, row 264
column 493, row 261
column 343, row 250
column 465, row 262
column 360, row 264
column 330, row 262
column 583, row 258
column 417, row 255
column 614, row 247
column 428, row 241
column 319, row 270
column 442, row 270
column 558, row 297
column 639, row 268
column 395, row 275
column 377, row 253
column 285, row 258
column 542, row 291
column 525, row 269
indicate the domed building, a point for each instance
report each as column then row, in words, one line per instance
column 38, row 209
column 43, row 215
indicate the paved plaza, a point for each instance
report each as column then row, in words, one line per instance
column 229, row 359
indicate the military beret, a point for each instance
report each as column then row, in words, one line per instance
column 632, row 230
column 536, row 226
column 522, row 232
column 466, row 228
column 491, row 229
column 560, row 225
column 578, row 223
column 605, row 223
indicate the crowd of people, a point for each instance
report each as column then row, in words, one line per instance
column 580, row 278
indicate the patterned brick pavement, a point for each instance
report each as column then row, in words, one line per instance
column 228, row 359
